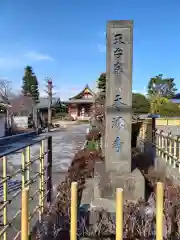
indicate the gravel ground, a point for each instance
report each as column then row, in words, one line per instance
column 65, row 143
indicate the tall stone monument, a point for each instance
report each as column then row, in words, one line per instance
column 118, row 159
column 117, row 171
column 119, row 96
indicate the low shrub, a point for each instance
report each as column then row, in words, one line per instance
column 139, row 218
column 56, row 218
column 93, row 134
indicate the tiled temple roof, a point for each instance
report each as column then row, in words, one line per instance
column 44, row 102
column 81, row 93
column 79, row 97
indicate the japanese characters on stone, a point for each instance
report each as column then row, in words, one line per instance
column 118, row 122
column 118, row 95
column 118, row 39
column 117, row 101
column 118, row 52
column 117, row 144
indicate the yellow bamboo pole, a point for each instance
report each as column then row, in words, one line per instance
column 24, row 214
column 42, row 175
column 73, row 232
column 28, row 159
column 119, row 214
column 23, row 169
column 159, row 210
column 5, row 191
column 40, row 182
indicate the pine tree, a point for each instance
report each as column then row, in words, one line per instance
column 30, row 84
column 101, row 84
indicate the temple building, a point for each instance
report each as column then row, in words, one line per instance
column 176, row 99
column 4, row 118
column 43, row 105
column 80, row 106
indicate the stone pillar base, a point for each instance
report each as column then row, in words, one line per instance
column 100, row 192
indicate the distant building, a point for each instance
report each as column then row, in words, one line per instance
column 80, row 106
column 43, row 105
column 4, row 121
column 176, row 99
column 22, row 106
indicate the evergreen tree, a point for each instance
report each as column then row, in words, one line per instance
column 101, row 84
column 30, row 84
column 140, row 103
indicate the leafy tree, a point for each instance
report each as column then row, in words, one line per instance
column 101, row 84
column 169, row 109
column 157, row 80
column 156, row 102
column 60, row 106
column 140, row 103
column 30, row 84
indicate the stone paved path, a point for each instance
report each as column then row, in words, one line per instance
column 65, row 143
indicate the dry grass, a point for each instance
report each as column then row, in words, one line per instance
column 139, row 218
column 56, row 217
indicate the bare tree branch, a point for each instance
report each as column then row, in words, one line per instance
column 20, row 104
column 5, row 89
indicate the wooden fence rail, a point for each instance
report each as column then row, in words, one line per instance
column 35, row 174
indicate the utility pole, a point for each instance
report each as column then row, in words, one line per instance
column 49, row 92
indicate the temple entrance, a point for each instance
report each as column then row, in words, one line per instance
column 80, row 106
column 81, row 111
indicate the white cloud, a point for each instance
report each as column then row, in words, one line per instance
column 18, row 61
column 142, row 91
column 101, row 48
column 10, row 62
column 36, row 56
column 4, row 78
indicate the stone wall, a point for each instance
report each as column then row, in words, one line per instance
column 175, row 121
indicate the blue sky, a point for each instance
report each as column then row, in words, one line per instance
column 66, row 40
